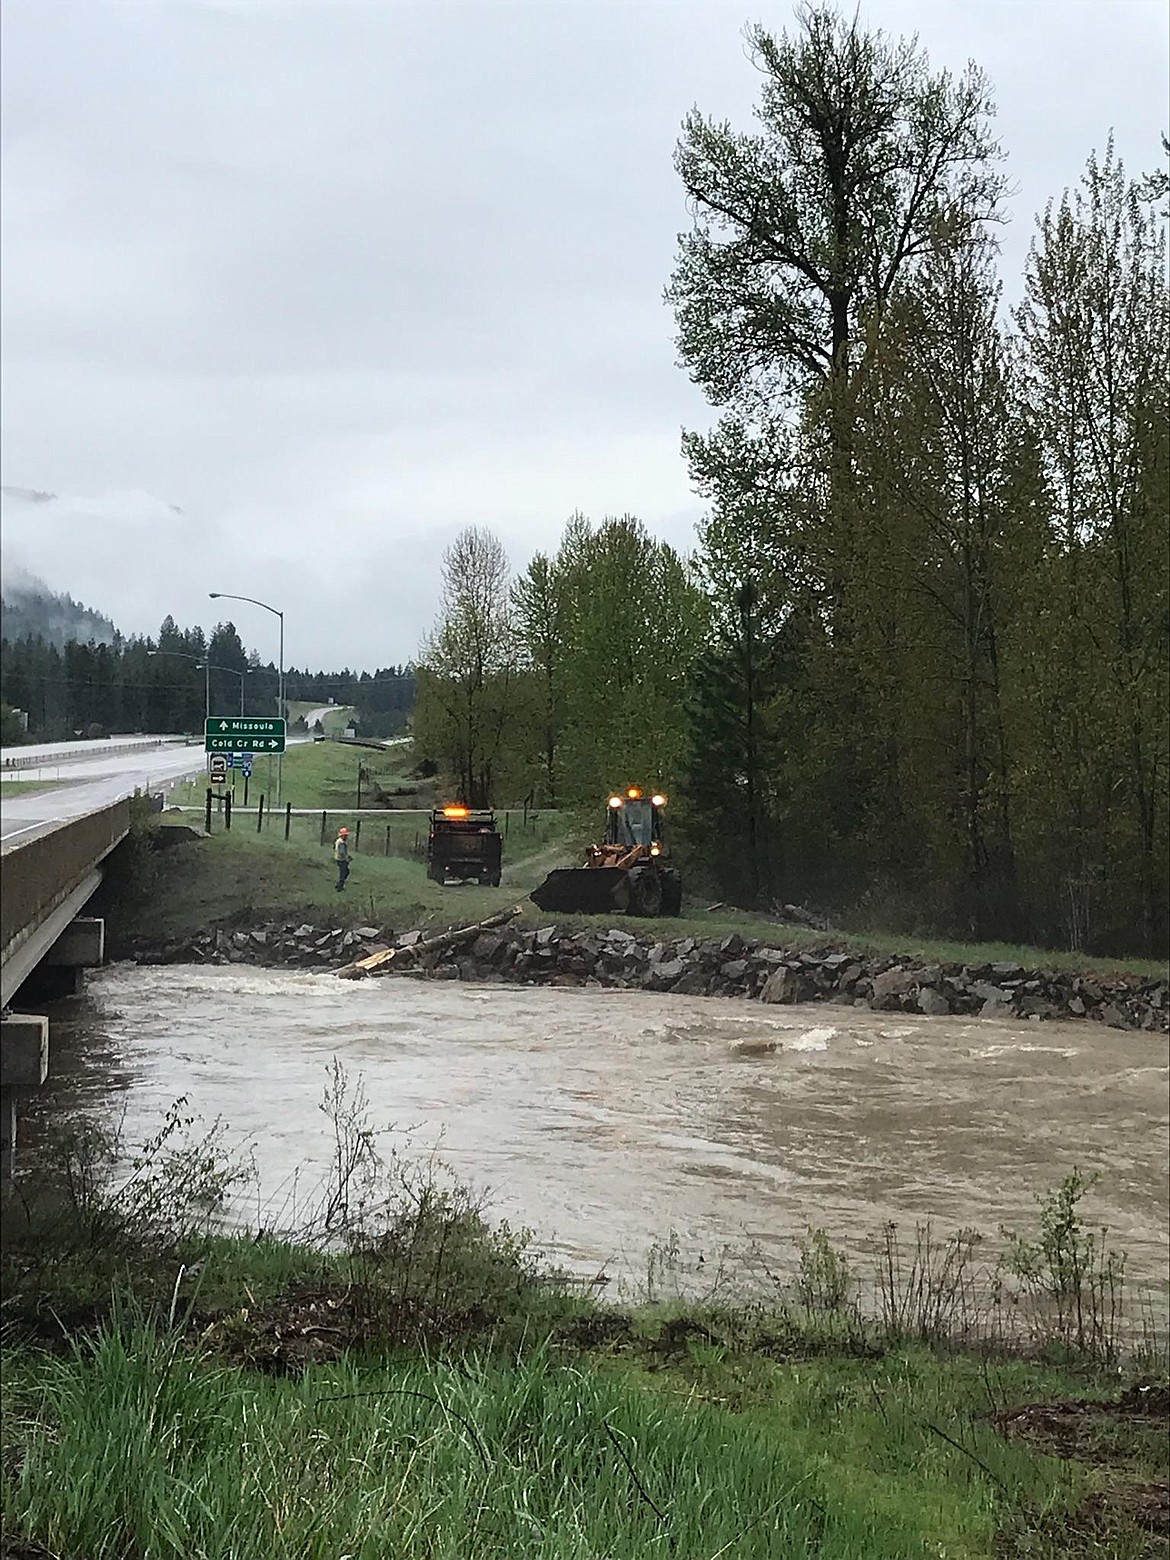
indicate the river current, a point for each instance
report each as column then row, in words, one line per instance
column 603, row 1120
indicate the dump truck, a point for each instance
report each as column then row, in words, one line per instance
column 463, row 843
column 629, row 872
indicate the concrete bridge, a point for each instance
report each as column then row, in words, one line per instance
column 46, row 942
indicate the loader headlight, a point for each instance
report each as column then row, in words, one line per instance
column 655, row 850
column 616, row 801
column 658, row 801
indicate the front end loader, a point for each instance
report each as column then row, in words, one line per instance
column 628, row 873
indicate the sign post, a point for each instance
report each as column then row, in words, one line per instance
column 243, row 735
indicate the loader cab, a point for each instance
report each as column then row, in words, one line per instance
column 634, row 819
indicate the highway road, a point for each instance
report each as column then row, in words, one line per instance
column 82, row 781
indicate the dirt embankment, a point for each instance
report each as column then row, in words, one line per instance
column 730, row 967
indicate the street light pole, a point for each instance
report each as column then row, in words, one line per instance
column 226, row 595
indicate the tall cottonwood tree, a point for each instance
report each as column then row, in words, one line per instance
column 804, row 231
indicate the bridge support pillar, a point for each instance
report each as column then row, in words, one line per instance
column 24, row 1066
column 61, row 973
column 81, row 945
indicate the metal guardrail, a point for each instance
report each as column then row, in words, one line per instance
column 74, row 756
column 43, row 871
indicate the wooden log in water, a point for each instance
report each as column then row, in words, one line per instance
column 452, row 939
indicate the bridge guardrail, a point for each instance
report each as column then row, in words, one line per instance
column 41, row 872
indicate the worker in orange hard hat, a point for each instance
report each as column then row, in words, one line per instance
column 341, row 857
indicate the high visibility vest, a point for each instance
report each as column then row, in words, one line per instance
column 340, row 849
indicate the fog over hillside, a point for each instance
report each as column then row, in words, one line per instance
column 28, row 606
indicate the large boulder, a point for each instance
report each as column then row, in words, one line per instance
column 782, row 985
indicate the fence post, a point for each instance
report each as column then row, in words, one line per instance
column 507, row 819
column 260, row 813
column 387, row 839
column 227, row 811
column 287, row 818
column 357, row 834
column 207, row 812
column 322, row 827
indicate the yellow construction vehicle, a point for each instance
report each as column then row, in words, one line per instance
column 629, row 872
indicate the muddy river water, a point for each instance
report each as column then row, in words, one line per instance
column 605, row 1119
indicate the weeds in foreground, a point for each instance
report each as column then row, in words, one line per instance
column 1060, row 1293
column 1074, row 1280
column 135, row 1444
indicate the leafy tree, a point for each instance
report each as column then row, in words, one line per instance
column 956, row 495
column 539, row 614
column 803, row 231
column 1095, row 326
column 865, row 164
column 633, row 621
column 468, row 685
column 749, row 565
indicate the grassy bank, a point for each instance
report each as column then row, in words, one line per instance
column 243, row 876
column 405, row 1380
column 24, row 787
column 138, row 1445
column 260, row 875
column 325, row 774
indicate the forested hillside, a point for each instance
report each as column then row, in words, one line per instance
column 29, row 609
column 916, row 672
column 160, row 684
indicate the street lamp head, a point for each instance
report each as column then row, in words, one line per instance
column 215, row 594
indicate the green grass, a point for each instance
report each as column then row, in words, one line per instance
column 241, row 875
column 244, row 874
column 325, row 774
column 134, row 1443
column 25, row 787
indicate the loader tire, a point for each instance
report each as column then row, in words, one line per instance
column 645, row 893
column 671, row 894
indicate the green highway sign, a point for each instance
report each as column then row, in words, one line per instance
column 243, row 745
column 235, row 734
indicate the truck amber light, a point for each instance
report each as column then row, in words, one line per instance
column 633, row 793
column 455, row 812
column 616, row 801
column 658, row 801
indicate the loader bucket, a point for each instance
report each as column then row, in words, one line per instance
column 584, row 890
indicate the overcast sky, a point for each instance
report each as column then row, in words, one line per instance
column 292, row 292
